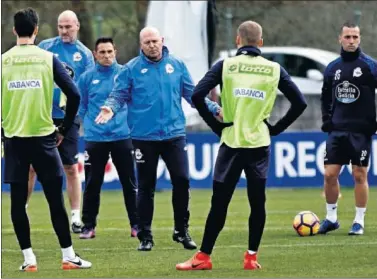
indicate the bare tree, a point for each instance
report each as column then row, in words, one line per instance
column 86, row 32
column 141, row 11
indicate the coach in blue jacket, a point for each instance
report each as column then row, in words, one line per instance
column 153, row 85
column 102, row 140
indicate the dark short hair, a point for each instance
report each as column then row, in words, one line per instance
column 25, row 22
column 103, row 40
column 349, row 24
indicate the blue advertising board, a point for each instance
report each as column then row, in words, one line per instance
column 296, row 161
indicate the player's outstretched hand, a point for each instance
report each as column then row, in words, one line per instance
column 105, row 115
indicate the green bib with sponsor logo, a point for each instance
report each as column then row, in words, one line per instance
column 27, row 91
column 248, row 96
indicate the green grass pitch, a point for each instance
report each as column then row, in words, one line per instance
column 282, row 252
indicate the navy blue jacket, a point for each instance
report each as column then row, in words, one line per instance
column 349, row 92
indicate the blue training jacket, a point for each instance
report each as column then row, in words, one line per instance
column 95, row 86
column 154, row 92
column 76, row 58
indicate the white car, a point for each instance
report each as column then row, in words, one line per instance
column 305, row 65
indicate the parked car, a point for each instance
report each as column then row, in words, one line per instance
column 305, row 65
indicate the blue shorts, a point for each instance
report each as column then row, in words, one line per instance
column 345, row 147
column 41, row 152
column 69, row 149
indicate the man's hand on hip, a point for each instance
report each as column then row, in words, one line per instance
column 59, row 138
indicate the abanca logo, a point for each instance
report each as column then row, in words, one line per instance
column 24, row 84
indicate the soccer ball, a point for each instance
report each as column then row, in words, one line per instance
column 306, row 223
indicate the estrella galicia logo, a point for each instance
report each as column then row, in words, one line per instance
column 347, row 92
column 69, row 70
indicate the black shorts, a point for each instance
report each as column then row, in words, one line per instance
column 41, row 152
column 231, row 162
column 68, row 149
column 345, row 147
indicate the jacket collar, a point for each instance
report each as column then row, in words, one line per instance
column 350, row 56
column 103, row 69
column 66, row 44
column 249, row 50
column 165, row 53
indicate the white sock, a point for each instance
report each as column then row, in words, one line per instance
column 359, row 217
column 251, row 252
column 29, row 255
column 332, row 212
column 68, row 253
column 75, row 213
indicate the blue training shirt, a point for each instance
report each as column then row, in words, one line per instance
column 76, row 58
column 95, row 86
column 153, row 92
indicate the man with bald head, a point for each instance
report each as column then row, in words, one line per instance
column 152, row 85
column 76, row 58
column 249, row 85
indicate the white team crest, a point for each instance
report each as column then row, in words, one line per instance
column 143, row 71
column 138, row 154
column 77, row 56
column 337, row 74
column 357, row 72
column 169, row 68
column 96, row 81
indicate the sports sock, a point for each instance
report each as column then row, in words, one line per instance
column 332, row 212
column 68, row 253
column 75, row 213
column 29, row 255
column 359, row 217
